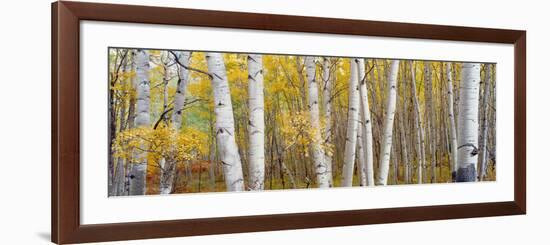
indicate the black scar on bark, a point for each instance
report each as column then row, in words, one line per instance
column 467, row 174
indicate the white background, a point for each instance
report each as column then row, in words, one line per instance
column 25, row 127
column 96, row 208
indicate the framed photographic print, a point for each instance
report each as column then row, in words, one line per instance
column 177, row 122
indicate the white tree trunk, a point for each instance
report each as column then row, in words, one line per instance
column 119, row 177
column 225, row 124
column 419, row 129
column 168, row 169
column 361, row 161
column 430, row 120
column 484, row 127
column 143, row 101
column 450, row 106
column 468, row 123
column 327, row 105
column 321, row 169
column 256, row 123
column 385, row 150
column 179, row 99
column 351, row 129
column 366, row 123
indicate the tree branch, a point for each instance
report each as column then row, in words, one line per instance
column 190, row 68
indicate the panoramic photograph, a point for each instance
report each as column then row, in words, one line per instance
column 203, row 121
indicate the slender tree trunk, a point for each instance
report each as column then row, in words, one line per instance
column 468, row 105
column 484, row 129
column 430, row 122
column 419, row 129
column 395, row 163
column 179, row 99
column 168, row 166
column 118, row 183
column 256, row 123
column 366, row 124
column 130, row 122
column 139, row 171
column 404, row 149
column 385, row 150
column 351, row 129
column 321, row 168
column 327, row 94
column 168, row 170
column 450, row 105
column 225, row 123
column 361, row 161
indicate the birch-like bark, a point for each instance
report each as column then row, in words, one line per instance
column 130, row 121
column 118, row 182
column 256, row 124
column 225, row 123
column 327, row 105
column 484, row 127
column 168, row 166
column 385, row 150
column 321, row 169
column 366, row 123
column 419, row 129
column 143, row 101
column 404, row 149
column 430, row 121
column 119, row 171
column 351, row 129
column 468, row 105
column 179, row 99
column 450, row 106
column 166, row 171
column 361, row 161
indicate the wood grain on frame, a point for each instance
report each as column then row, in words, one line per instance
column 66, row 17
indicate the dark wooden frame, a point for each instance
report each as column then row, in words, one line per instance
column 65, row 181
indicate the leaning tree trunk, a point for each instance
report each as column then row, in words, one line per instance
column 168, row 169
column 468, row 123
column 139, row 170
column 484, row 128
column 385, row 150
column 327, row 102
column 225, row 123
column 321, row 169
column 450, row 106
column 351, row 129
column 366, row 123
column 256, row 123
column 419, row 129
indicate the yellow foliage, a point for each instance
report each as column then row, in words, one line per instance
column 164, row 142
